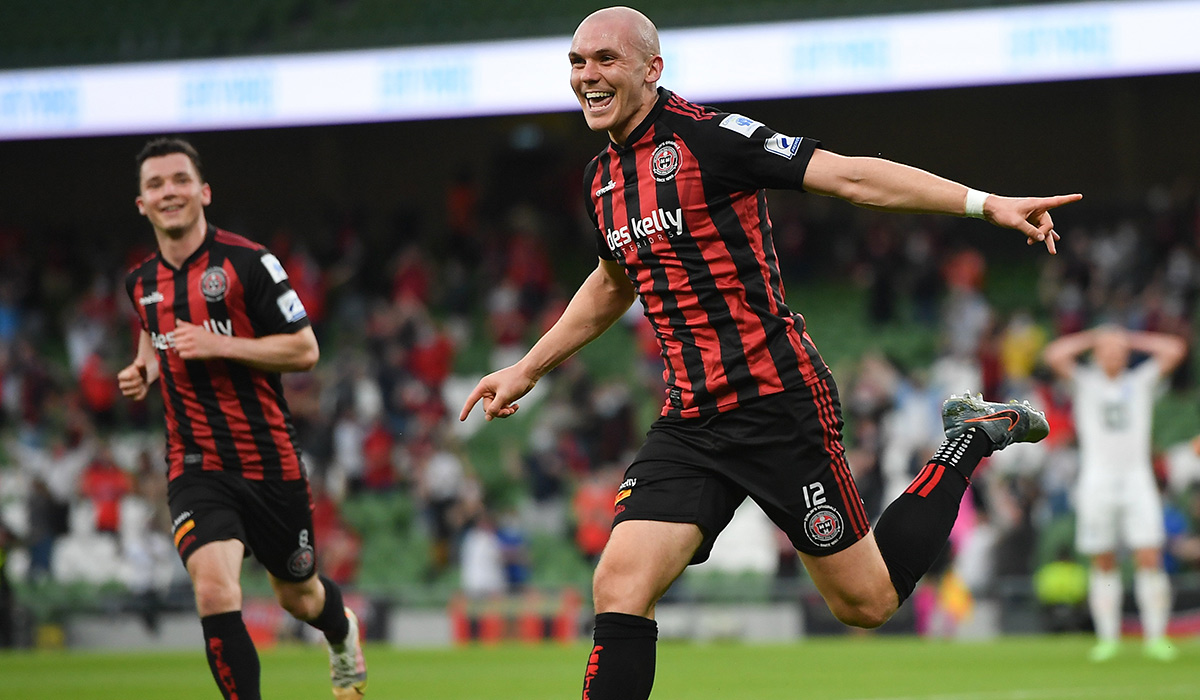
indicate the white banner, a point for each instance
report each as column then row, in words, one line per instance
column 787, row 59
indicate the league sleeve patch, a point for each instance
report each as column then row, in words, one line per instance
column 291, row 307
column 274, row 268
column 781, row 145
column 742, row 125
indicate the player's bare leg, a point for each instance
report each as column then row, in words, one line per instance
column 215, row 569
column 855, row 583
column 640, row 561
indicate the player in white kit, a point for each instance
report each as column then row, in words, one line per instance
column 1117, row 499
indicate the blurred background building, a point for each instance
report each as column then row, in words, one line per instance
column 431, row 250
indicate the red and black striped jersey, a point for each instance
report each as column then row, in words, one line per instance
column 681, row 206
column 221, row 414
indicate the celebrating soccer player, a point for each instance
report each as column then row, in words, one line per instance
column 219, row 323
column 750, row 407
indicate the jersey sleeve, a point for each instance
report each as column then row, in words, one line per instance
column 589, row 206
column 272, row 304
column 131, row 289
column 749, row 155
column 130, row 285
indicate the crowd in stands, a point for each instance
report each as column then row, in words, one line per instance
column 82, row 487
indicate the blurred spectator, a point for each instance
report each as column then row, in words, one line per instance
column 348, row 457
column 304, row 274
column 925, row 279
column 462, row 216
column 440, row 478
column 1020, row 347
column 1183, row 533
column 482, row 559
column 88, row 321
column 97, row 389
column 545, row 476
column 340, row 545
column 10, row 313
column 48, row 520
column 379, row 469
column 151, row 564
column 515, row 551
column 411, row 277
column 592, row 508
column 880, row 270
column 104, row 484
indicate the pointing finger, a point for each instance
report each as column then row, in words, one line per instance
column 1058, row 201
column 472, row 399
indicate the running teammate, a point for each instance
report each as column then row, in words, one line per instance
column 1116, row 499
column 750, row 407
column 219, row 323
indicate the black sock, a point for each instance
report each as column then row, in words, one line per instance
column 332, row 620
column 231, row 655
column 621, row 666
column 913, row 530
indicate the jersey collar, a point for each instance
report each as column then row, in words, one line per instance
column 209, row 236
column 637, row 134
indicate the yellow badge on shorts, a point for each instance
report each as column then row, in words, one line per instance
column 625, row 489
column 183, row 529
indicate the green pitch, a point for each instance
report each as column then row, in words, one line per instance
column 850, row 668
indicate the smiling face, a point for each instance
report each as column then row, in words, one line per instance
column 172, row 195
column 615, row 67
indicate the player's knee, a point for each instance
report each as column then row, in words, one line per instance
column 299, row 606
column 613, row 591
column 215, row 597
column 867, row 614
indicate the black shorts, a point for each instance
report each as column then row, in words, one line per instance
column 784, row 451
column 272, row 518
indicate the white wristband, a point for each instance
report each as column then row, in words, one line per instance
column 975, row 200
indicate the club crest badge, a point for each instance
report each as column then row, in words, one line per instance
column 823, row 525
column 664, row 162
column 301, row 562
column 214, row 284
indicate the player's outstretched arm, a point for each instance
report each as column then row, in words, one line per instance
column 876, row 183
column 602, row 298
column 135, row 379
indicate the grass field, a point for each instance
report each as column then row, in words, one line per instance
column 849, row 668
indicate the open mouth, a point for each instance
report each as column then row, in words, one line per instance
column 597, row 100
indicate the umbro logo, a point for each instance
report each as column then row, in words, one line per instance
column 151, row 299
column 606, row 189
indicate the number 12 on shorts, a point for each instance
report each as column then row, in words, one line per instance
column 814, row 494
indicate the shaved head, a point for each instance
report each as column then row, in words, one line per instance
column 628, row 24
column 615, row 67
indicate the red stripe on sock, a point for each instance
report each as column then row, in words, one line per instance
column 933, row 481
column 921, row 477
